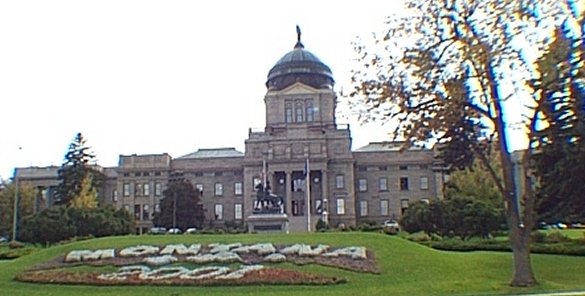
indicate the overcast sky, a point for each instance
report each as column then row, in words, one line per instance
column 158, row 76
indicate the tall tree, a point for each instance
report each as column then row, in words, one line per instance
column 454, row 59
column 561, row 140
column 76, row 168
column 180, row 207
column 87, row 197
column 26, row 207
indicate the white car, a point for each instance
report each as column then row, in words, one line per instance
column 191, row 230
column 392, row 224
column 174, row 231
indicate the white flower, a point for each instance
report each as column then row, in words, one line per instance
column 220, row 248
column 180, row 249
column 275, row 258
column 139, row 251
column 160, row 260
column 353, row 252
column 164, row 273
column 223, row 257
column 87, row 255
column 240, row 273
column 124, row 272
column 205, row 273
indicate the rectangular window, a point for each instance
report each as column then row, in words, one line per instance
column 403, row 167
column 238, row 188
column 238, row 211
column 145, row 212
column 200, row 188
column 299, row 113
column 340, row 206
column 403, row 204
column 157, row 189
column 404, row 183
column 363, row 208
column 114, row 195
column 383, row 184
column 339, row 182
column 218, row 212
column 310, row 112
column 157, row 208
column 424, row 183
column 384, row 207
column 363, row 185
column 289, row 114
column 218, row 189
column 138, row 189
column 137, row 212
column 126, row 189
column 146, row 189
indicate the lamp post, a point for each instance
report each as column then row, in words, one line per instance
column 15, row 209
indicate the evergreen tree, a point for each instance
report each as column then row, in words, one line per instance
column 561, row 141
column 76, row 168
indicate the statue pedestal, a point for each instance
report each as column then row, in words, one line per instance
column 268, row 223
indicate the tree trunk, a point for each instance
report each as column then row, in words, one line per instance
column 519, row 237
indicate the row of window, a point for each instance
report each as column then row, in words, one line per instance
column 143, row 174
column 383, row 184
column 140, row 189
column 384, row 207
column 299, row 112
column 238, row 212
column 385, row 168
column 218, row 188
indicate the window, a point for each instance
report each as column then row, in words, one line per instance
column 339, row 182
column 218, row 212
column 384, row 205
column 340, row 206
column 403, row 204
column 238, row 211
column 146, row 189
column 157, row 189
column 126, row 189
column 157, row 208
column 127, row 208
column 200, row 188
column 238, row 188
column 383, row 184
column 363, row 185
column 319, row 206
column 157, row 174
column 138, row 189
column 114, row 194
column 218, row 189
column 403, row 167
column 424, row 183
column 362, row 168
column 299, row 185
column 309, row 113
column 137, row 212
column 404, row 183
column 383, row 168
column 363, row 208
column 145, row 212
column 288, row 113
column 299, row 112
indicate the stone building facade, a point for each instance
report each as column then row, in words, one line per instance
column 369, row 185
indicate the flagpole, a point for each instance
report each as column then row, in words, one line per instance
column 308, row 184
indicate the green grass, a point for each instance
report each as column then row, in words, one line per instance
column 407, row 269
column 570, row 233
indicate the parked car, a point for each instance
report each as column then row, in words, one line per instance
column 158, row 230
column 191, row 230
column 174, row 231
column 3, row 239
column 391, row 226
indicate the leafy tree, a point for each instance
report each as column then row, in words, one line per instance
column 180, row 206
column 475, row 182
column 454, row 59
column 87, row 197
column 561, row 141
column 26, row 200
column 76, row 168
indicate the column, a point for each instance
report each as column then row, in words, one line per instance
column 325, row 190
column 287, row 183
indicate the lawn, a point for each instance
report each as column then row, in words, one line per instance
column 407, row 269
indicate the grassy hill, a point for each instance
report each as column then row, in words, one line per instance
column 407, row 269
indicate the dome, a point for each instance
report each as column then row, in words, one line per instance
column 299, row 65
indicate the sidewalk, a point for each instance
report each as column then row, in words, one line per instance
column 573, row 293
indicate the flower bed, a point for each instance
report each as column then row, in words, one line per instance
column 213, row 264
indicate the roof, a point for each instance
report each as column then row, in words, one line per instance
column 386, row 147
column 214, row 153
column 299, row 65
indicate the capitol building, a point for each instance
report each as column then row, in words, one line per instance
column 347, row 187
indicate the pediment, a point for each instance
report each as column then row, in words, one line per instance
column 298, row 88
